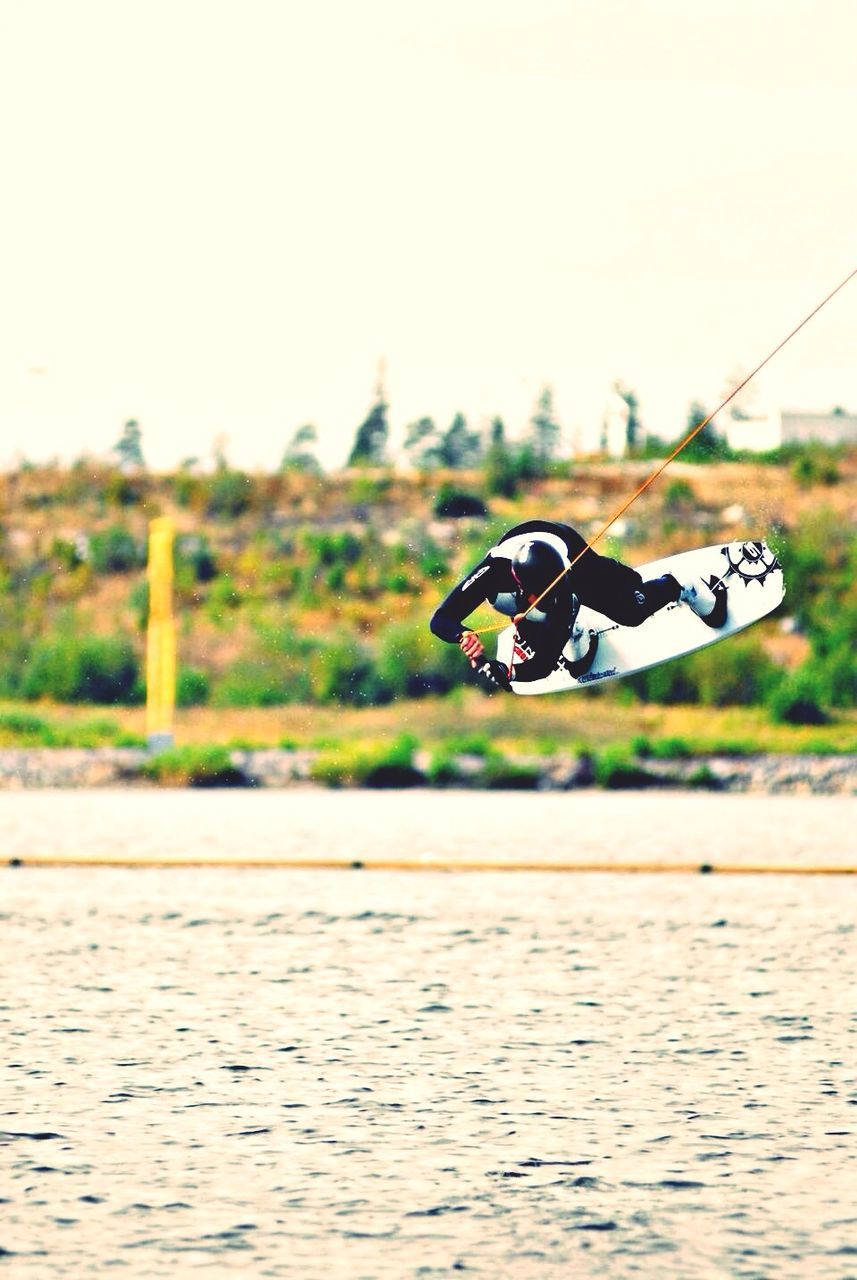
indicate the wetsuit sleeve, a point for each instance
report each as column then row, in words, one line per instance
column 479, row 585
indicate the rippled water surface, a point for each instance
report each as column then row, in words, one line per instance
column 380, row 1074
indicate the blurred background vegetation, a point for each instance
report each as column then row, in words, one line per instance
column 298, row 588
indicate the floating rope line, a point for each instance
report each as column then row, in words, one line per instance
column 435, row 864
column 676, row 451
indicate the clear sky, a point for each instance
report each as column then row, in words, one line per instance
column 219, row 215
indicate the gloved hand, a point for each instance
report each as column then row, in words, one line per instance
column 496, row 674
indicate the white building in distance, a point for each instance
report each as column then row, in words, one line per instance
column 762, row 432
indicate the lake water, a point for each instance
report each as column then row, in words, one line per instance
column 377, row 1074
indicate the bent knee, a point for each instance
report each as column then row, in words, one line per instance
column 633, row 611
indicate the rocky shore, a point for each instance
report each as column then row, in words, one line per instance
column 33, row 768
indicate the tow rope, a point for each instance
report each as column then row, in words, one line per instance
column 663, row 465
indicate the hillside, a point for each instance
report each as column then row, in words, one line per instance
column 304, row 588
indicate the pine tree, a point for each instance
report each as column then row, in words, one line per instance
column 128, row 448
column 501, row 474
column 544, row 429
column 634, row 423
column 370, row 443
column 460, row 446
column 707, row 445
column 300, row 451
column 422, row 443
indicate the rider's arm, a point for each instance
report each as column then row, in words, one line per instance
column 479, row 585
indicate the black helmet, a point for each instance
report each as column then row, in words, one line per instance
column 535, row 566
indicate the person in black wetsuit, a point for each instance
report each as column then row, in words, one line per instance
column 534, row 557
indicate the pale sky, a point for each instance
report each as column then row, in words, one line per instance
column 219, row 215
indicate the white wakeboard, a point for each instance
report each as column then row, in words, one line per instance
column 751, row 575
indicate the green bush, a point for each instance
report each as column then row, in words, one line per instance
column 66, row 553
column 470, row 744
column 393, row 775
column 194, row 766
column 228, row 494
column 289, row 668
column 455, row 503
column 193, row 551
column 368, row 490
column 815, row 466
column 186, row 487
column 444, row 769
column 138, row 603
column 193, row 687
column 703, row 779
column 502, row 475
column 707, row 446
column 615, row 769
column 388, row 767
column 434, row 563
column 669, row 683
column 679, row 495
column 93, row 733
column 223, row 599
column 343, row 671
column 328, row 549
column 24, row 729
column 410, row 663
column 504, row 775
column 70, row 668
column 400, row 584
column 819, row 560
column 738, row 673
column 121, row 490
column 259, row 682
column 838, row 675
column 733, row 747
column 14, row 656
column 799, row 698
column 661, row 748
column 116, row 550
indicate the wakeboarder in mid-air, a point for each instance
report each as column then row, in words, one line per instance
column 539, row 574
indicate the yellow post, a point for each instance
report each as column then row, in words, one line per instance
column 161, row 637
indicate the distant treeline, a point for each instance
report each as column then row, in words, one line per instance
column 506, row 462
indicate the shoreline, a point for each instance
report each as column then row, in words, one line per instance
column 39, row 768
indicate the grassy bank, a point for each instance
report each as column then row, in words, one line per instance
column 529, row 726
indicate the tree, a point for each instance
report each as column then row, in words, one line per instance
column 300, row 451
column 460, row 447
column 218, row 451
column 707, row 445
column 634, row 424
column 422, row 443
column 369, row 448
column 501, row 472
column 544, row 429
column 128, row 448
